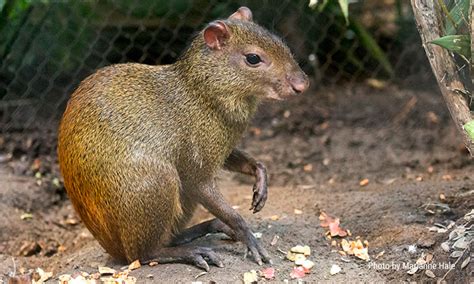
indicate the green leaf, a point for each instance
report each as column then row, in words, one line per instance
column 371, row 45
column 345, row 9
column 469, row 128
column 460, row 44
column 459, row 14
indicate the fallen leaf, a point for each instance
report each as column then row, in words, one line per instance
column 456, row 254
column 447, row 177
column 461, row 243
column 268, row 273
column 413, row 270
column 308, row 168
column 465, row 262
column 364, row 182
column 297, row 272
column 26, row 216
column 250, row 277
column 43, row 276
column 445, row 246
column 274, row 240
column 335, row 269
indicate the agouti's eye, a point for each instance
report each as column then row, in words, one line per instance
column 253, row 59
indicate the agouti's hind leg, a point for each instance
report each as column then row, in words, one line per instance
column 208, row 227
column 189, row 254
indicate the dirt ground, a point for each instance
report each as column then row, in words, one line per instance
column 317, row 149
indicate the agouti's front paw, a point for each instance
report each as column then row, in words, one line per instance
column 260, row 189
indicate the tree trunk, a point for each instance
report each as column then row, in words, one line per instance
column 444, row 67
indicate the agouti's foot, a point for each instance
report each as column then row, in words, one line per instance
column 259, row 253
column 199, row 256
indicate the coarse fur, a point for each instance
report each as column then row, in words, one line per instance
column 137, row 141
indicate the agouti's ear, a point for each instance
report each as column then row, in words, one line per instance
column 216, row 34
column 243, row 14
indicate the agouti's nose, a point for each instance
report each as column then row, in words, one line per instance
column 299, row 82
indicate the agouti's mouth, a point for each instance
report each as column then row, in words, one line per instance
column 282, row 95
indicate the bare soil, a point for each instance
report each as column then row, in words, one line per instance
column 317, row 149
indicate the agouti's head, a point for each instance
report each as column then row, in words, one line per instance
column 242, row 59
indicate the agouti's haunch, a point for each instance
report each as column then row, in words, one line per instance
column 139, row 146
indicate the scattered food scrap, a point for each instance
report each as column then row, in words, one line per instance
column 297, row 272
column 268, row 273
column 333, row 224
column 250, row 277
column 356, row 248
column 298, row 212
column 298, row 254
column 335, row 269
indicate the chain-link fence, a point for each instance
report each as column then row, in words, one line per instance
column 48, row 47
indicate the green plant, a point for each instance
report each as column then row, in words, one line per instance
column 366, row 40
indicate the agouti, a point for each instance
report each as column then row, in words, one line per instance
column 139, row 146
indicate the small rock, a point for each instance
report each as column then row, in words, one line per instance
column 426, row 243
column 445, row 247
column 430, row 274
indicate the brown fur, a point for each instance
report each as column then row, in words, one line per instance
column 136, row 139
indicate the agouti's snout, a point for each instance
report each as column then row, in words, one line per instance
column 298, row 82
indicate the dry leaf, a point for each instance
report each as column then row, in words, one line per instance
column 43, row 276
column 308, row 168
column 268, row 273
column 364, row 182
column 274, row 240
column 445, row 246
column 297, row 272
column 274, row 217
column 456, row 254
column 335, row 269
column 465, row 262
column 413, row 270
